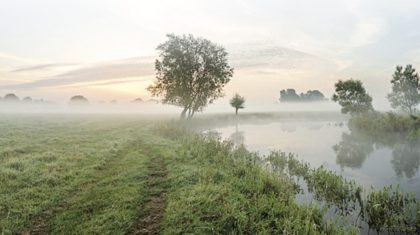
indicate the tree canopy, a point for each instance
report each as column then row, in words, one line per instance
column 78, row 99
column 138, row 100
column 190, row 72
column 237, row 102
column 289, row 95
column 405, row 89
column 11, row 97
column 352, row 97
column 27, row 99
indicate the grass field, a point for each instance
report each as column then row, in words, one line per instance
column 87, row 174
column 80, row 174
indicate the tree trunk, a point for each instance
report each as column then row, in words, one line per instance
column 189, row 112
column 183, row 113
column 236, row 111
column 192, row 113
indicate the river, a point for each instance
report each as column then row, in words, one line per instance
column 330, row 143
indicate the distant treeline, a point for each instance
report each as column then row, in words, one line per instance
column 289, row 95
column 12, row 98
column 79, row 99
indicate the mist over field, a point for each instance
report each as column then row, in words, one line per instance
column 153, row 108
column 209, row 117
column 108, row 50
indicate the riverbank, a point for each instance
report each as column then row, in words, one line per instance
column 387, row 124
column 131, row 174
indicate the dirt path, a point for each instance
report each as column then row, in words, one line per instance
column 149, row 221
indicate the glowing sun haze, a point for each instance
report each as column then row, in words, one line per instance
column 105, row 49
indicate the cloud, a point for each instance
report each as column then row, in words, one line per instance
column 9, row 57
column 269, row 55
column 368, row 28
column 367, row 31
column 111, row 82
column 99, row 72
column 253, row 55
column 40, row 67
column 270, row 60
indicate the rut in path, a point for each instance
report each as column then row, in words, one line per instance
column 41, row 224
column 149, row 221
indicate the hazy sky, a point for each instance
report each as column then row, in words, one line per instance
column 105, row 49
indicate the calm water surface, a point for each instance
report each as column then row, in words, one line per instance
column 331, row 144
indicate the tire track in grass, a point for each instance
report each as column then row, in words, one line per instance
column 151, row 211
column 42, row 223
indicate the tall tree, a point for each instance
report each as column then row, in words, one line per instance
column 352, row 97
column 237, row 102
column 405, row 89
column 191, row 72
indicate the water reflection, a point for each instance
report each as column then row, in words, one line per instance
column 406, row 159
column 237, row 137
column 354, row 148
column 377, row 162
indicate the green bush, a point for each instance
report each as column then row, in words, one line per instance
column 391, row 210
column 378, row 123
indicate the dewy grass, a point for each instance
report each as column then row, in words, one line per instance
column 47, row 166
column 220, row 190
column 88, row 174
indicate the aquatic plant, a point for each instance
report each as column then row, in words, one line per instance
column 386, row 209
column 392, row 210
column 336, row 191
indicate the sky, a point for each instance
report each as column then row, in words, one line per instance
column 105, row 49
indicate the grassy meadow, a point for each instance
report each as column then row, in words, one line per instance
column 80, row 174
column 89, row 174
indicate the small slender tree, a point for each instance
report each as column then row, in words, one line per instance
column 405, row 89
column 352, row 97
column 237, row 102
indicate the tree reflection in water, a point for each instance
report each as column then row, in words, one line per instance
column 237, row 137
column 406, row 159
column 352, row 150
column 355, row 147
